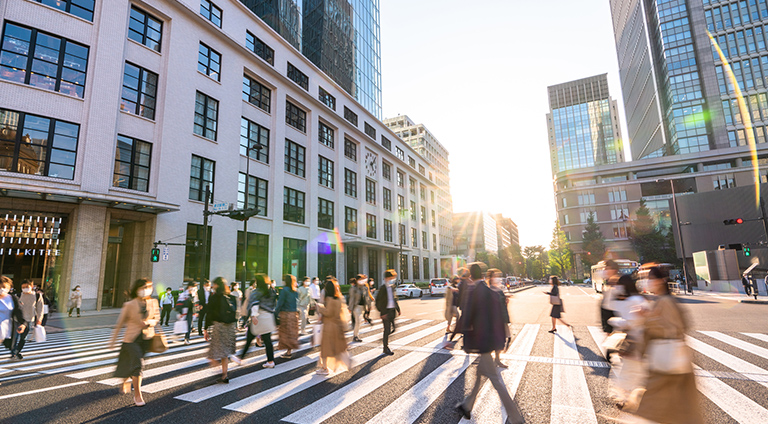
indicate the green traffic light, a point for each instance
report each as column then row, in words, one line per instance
column 747, row 252
column 155, row 255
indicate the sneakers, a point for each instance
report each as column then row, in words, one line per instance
column 322, row 371
column 268, row 365
column 235, row 359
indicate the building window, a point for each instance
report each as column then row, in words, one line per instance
column 132, row 161
column 80, row 8
column 426, row 269
column 404, row 267
column 350, row 116
column 209, row 61
column 294, row 256
column 211, row 12
column 401, row 234
column 256, row 93
column 206, row 115
column 370, row 191
column 253, row 134
column 262, row 50
column 35, row 145
column 197, row 259
column 386, row 171
column 350, row 220
column 386, row 143
column 326, row 98
column 723, row 181
column 43, row 60
column 200, row 176
column 414, row 237
column 434, row 242
column 565, row 203
column 424, row 242
column 145, row 29
column 350, row 149
column 387, row 230
column 298, row 77
column 400, row 204
column 293, row 205
column 325, row 214
column 257, row 193
column 350, row 183
column 422, row 192
column 370, row 131
column 423, row 215
column 618, row 213
column 415, row 264
column 434, row 220
column 370, row 226
column 387, row 199
column 294, row 158
column 586, row 199
column 432, row 196
column 617, row 195
column 400, row 153
column 412, row 186
column 413, row 210
column 325, row 135
column 326, row 172
column 258, row 254
column 139, row 91
column 412, row 162
column 400, row 179
column 295, row 117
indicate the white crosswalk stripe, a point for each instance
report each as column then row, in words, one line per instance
column 184, row 374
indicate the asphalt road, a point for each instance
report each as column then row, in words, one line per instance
column 67, row 378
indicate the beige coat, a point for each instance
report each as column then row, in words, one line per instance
column 333, row 347
column 134, row 322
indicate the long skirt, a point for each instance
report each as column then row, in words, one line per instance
column 288, row 331
column 556, row 311
column 130, row 362
column 671, row 399
column 333, row 347
column 222, row 340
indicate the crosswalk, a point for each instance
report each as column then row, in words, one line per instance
column 564, row 373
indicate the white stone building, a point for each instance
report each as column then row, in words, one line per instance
column 114, row 118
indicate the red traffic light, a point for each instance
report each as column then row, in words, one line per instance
column 733, row 221
column 739, row 221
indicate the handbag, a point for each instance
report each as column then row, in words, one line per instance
column 180, row 327
column 265, row 321
column 40, row 335
column 312, row 310
column 158, row 343
column 554, row 300
column 669, row 356
column 317, row 334
column 615, row 341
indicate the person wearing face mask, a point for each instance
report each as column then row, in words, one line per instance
column 31, row 305
column 75, row 300
column 12, row 321
column 46, row 304
column 166, row 302
column 303, row 305
column 139, row 316
column 288, row 316
column 386, row 303
column 185, row 307
column 494, row 279
column 234, row 290
column 314, row 291
column 202, row 303
column 359, row 302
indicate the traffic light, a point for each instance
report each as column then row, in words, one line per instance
column 747, row 252
column 242, row 215
column 736, row 221
column 155, row 256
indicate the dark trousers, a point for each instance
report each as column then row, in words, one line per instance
column 389, row 326
column 605, row 314
column 73, row 308
column 190, row 316
column 266, row 338
column 200, row 320
column 22, row 338
column 45, row 319
column 10, row 343
column 166, row 312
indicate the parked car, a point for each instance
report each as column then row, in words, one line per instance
column 437, row 286
column 513, row 282
column 408, row 290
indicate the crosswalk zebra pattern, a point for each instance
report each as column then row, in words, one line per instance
column 421, row 383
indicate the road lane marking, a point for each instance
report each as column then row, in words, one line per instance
column 736, row 405
column 758, row 336
column 741, row 344
column 47, row 389
column 599, row 337
column 726, row 359
column 582, row 290
column 571, row 401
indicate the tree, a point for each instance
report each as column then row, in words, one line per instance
column 593, row 243
column 560, row 254
column 536, row 261
column 511, row 260
column 651, row 242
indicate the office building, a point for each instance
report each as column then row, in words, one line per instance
column 282, row 15
column 474, row 232
column 507, row 233
column 583, row 125
column 114, row 153
column 427, row 145
column 367, row 25
column 328, row 39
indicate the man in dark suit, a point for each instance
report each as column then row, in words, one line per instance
column 386, row 303
column 203, row 293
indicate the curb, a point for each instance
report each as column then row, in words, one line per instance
column 756, row 302
column 523, row 288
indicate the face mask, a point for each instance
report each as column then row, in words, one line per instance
column 145, row 292
column 77, row 289
column 363, row 282
column 207, row 288
column 4, row 291
column 27, row 290
column 306, row 283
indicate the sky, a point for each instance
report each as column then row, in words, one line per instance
column 476, row 75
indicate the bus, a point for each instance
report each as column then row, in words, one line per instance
column 625, row 267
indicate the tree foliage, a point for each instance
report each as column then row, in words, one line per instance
column 560, row 254
column 536, row 261
column 651, row 242
column 593, row 243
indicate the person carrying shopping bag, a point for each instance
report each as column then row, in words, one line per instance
column 557, row 304
column 220, row 327
column 261, row 308
column 359, row 303
column 304, row 302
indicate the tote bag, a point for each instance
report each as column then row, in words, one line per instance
column 554, row 300
column 265, row 321
column 180, row 327
column 40, row 335
column 669, row 356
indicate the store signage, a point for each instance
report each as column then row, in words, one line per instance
column 30, row 252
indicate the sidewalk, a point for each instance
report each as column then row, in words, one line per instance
column 736, row 297
column 59, row 321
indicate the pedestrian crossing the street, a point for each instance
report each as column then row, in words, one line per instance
column 564, row 374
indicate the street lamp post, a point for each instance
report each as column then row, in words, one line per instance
column 257, row 147
column 688, row 287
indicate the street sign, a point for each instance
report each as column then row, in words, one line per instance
column 220, row 206
column 166, row 253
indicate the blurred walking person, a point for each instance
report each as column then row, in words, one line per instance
column 485, row 334
column 234, row 290
column 46, row 305
column 185, row 307
column 12, row 321
column 493, row 277
column 466, row 286
column 359, row 303
column 557, row 304
column 610, row 279
column 139, row 316
column 31, row 305
column 333, row 344
column 389, row 309
column 451, row 304
column 166, row 303
column 670, row 391
column 203, row 294
column 221, row 318
column 303, row 303
column 75, row 300
column 260, row 312
column 288, row 317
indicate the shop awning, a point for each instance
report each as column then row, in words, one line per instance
column 373, row 244
column 112, row 200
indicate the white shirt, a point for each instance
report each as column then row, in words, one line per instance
column 314, row 291
column 6, row 312
column 629, row 321
column 390, row 297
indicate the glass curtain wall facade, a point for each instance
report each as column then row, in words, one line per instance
column 328, row 39
column 583, row 125
column 282, row 15
column 367, row 54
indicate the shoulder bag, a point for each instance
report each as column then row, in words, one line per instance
column 262, row 322
column 158, row 343
column 554, row 300
column 669, row 356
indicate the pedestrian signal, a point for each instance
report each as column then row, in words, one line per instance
column 155, row 256
column 747, row 252
column 736, row 221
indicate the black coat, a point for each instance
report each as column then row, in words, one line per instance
column 221, row 308
column 17, row 319
column 382, row 300
column 485, row 321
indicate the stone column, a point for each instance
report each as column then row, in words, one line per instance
column 90, row 224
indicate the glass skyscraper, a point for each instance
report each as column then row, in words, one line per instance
column 282, row 15
column 367, row 54
column 328, row 39
column 583, row 125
